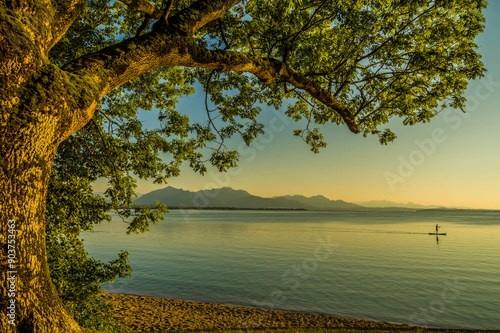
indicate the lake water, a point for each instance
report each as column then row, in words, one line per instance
column 374, row 265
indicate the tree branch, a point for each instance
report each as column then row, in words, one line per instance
column 166, row 10
column 120, row 63
column 201, row 12
column 266, row 69
column 106, row 147
column 406, row 25
column 115, row 65
column 306, row 26
column 66, row 13
column 111, row 120
column 223, row 35
column 144, row 6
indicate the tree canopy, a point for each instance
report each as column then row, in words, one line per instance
column 356, row 63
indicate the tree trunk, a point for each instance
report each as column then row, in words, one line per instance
column 39, row 108
column 29, row 301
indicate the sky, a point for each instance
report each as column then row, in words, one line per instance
column 452, row 161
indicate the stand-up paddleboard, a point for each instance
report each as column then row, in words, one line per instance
column 435, row 233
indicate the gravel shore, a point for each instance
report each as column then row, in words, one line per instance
column 144, row 314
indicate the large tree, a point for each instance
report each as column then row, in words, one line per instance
column 75, row 73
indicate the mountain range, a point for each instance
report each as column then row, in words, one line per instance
column 385, row 203
column 227, row 197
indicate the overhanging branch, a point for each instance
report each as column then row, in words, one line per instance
column 115, row 65
column 120, row 63
column 267, row 70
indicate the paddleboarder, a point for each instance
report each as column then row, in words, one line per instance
column 437, row 227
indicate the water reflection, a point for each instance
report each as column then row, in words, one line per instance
column 239, row 257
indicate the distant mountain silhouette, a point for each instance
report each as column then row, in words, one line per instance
column 389, row 204
column 320, row 202
column 227, row 197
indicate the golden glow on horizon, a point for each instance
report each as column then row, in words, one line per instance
column 439, row 196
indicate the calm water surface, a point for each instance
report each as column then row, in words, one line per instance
column 369, row 265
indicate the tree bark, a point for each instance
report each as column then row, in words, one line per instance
column 37, row 112
column 29, row 301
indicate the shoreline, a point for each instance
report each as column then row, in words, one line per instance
column 145, row 314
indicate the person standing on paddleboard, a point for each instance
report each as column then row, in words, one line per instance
column 437, row 227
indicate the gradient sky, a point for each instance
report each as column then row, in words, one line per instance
column 452, row 161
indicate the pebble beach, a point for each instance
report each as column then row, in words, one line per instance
column 146, row 314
